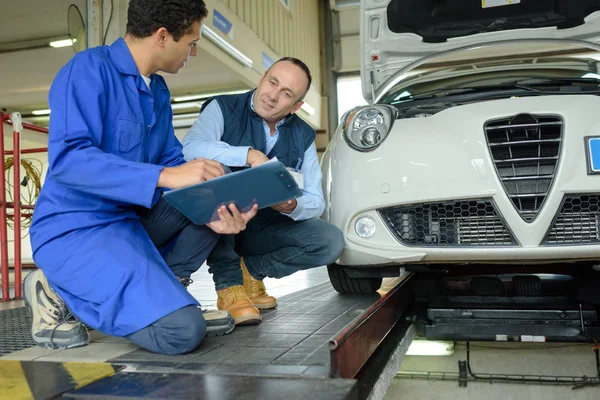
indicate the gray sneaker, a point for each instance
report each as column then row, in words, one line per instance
column 53, row 326
column 218, row 323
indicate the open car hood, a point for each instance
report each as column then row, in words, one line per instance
column 397, row 34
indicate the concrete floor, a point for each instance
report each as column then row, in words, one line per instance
column 554, row 359
column 486, row 357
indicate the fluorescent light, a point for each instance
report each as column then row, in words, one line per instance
column 207, row 95
column 430, row 348
column 185, row 116
column 184, row 123
column 184, row 120
column 226, row 46
column 41, row 112
column 63, row 43
column 591, row 75
column 183, row 106
column 307, row 108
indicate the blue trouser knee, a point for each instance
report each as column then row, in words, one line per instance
column 176, row 333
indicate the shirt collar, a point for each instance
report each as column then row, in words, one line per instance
column 123, row 60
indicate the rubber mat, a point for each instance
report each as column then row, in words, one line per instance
column 293, row 339
column 15, row 330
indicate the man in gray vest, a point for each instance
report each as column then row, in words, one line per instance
column 247, row 130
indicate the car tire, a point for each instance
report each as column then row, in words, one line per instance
column 342, row 283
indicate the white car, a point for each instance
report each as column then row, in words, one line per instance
column 481, row 143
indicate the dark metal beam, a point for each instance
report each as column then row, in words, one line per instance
column 355, row 344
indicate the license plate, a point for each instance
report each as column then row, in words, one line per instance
column 594, row 154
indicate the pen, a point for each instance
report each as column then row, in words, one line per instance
column 299, row 164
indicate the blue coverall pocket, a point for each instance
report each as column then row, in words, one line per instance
column 129, row 134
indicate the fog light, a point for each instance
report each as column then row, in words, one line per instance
column 365, row 227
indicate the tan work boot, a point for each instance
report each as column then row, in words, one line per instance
column 256, row 291
column 235, row 300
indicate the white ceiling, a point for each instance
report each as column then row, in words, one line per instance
column 26, row 76
column 33, row 19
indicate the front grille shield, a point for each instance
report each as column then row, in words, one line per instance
column 525, row 150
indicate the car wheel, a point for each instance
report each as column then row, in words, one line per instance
column 342, row 283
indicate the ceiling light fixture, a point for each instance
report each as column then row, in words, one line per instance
column 62, row 43
column 202, row 96
column 33, row 44
column 41, row 112
column 184, row 106
column 226, row 46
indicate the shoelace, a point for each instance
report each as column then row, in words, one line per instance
column 64, row 316
column 239, row 290
column 257, row 288
column 185, row 281
column 234, row 293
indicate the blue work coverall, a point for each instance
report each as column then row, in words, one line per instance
column 110, row 137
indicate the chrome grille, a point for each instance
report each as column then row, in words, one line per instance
column 525, row 150
column 576, row 222
column 454, row 223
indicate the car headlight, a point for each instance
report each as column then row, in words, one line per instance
column 366, row 127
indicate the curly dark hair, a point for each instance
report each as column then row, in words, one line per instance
column 144, row 17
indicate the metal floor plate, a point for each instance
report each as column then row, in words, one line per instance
column 15, row 330
column 26, row 380
column 222, row 387
column 293, row 339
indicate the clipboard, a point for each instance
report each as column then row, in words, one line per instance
column 266, row 185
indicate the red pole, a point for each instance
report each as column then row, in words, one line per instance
column 27, row 151
column 10, row 204
column 16, row 122
column 3, row 233
column 35, row 128
column 17, row 129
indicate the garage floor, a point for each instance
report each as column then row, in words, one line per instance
column 547, row 359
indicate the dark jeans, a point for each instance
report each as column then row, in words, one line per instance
column 275, row 246
column 177, row 333
column 183, row 244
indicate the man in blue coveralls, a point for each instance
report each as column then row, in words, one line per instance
column 247, row 130
column 109, row 248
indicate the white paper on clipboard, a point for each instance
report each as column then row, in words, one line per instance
column 298, row 177
column 498, row 3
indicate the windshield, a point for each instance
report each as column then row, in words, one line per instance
column 439, row 20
